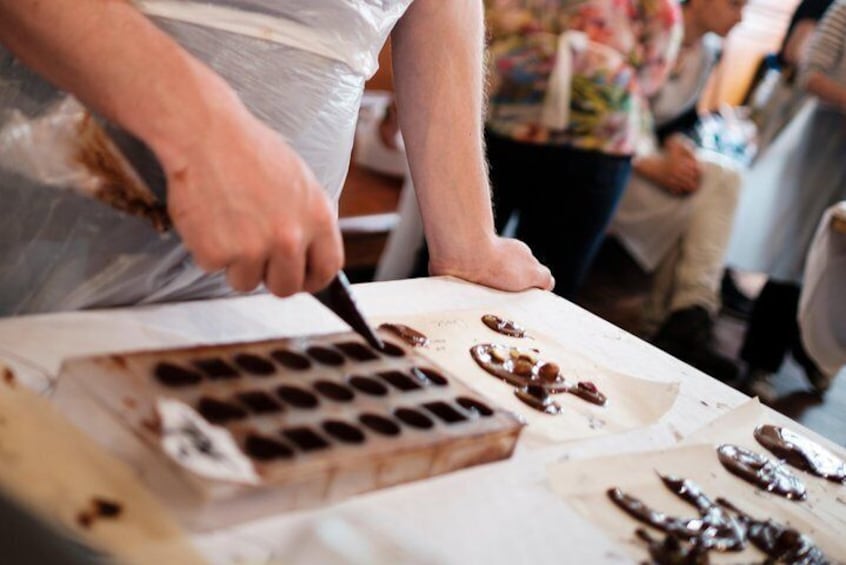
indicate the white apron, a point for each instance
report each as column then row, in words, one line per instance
column 299, row 65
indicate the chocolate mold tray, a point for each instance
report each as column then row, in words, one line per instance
column 324, row 416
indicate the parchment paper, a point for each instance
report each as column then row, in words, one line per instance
column 583, row 484
column 632, row 402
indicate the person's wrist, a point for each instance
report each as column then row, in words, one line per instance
column 460, row 253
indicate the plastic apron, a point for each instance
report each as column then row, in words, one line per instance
column 299, row 65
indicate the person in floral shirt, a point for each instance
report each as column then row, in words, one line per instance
column 568, row 87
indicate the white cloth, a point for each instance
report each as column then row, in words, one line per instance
column 822, row 308
column 787, row 191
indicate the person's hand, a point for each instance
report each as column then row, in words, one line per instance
column 496, row 262
column 244, row 201
column 679, row 172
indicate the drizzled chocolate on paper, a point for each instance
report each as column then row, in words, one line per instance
column 761, row 471
column 720, row 526
column 534, row 378
column 502, row 326
column 408, row 334
column 802, row 453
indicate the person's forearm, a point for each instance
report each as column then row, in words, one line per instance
column 826, row 89
column 117, row 62
column 437, row 49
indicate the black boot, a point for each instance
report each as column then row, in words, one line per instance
column 688, row 334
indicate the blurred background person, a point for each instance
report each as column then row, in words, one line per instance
column 569, row 82
column 676, row 215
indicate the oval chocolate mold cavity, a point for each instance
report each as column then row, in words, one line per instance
column 369, row 386
column 216, row 368
column 290, row 360
column 380, row 424
column 266, row 449
column 218, row 411
column 474, row 406
column 172, row 375
column 343, row 432
column 399, row 381
column 414, row 418
column 445, row 412
column 392, row 349
column 258, row 402
column 334, row 391
column 296, row 396
column 254, row 364
column 356, row 351
column 305, row 438
column 325, row 356
column 432, row 376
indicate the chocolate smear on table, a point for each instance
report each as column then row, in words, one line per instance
column 408, row 334
column 538, row 398
column 781, row 543
column 523, row 367
column 98, row 508
column 502, row 326
column 801, row 452
column 761, row 471
column 714, row 527
column 8, row 377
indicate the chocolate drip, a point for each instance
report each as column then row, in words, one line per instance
column 538, row 398
column 713, row 529
column 761, row 471
column 522, row 369
column 779, row 542
column 408, row 334
column 801, row 452
column 504, row 327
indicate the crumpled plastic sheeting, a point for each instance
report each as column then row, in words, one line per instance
column 62, row 251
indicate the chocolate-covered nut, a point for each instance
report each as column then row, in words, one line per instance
column 548, row 371
column 523, row 368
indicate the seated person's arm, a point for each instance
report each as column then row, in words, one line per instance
column 675, row 169
column 239, row 196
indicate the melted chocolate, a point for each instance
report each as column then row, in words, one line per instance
column 392, row 350
column 538, row 398
column 171, row 375
column 801, row 452
column 671, row 550
column 586, row 390
column 429, row 376
column 504, row 327
column 761, row 471
column 474, row 406
column 409, row 335
column 254, row 365
column 356, row 351
column 781, row 543
column 8, row 377
column 296, row 396
column 514, row 366
column 325, row 356
column 400, row 381
column 380, row 424
column 305, row 438
column 291, row 360
column 368, row 386
column 215, row 368
column 343, row 432
column 264, row 448
column 107, row 508
column 218, row 411
column 714, row 528
column 258, row 402
column 413, row 418
column 445, row 412
column 334, row 391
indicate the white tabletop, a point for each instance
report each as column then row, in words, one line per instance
column 498, row 513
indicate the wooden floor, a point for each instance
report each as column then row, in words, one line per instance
column 616, row 290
